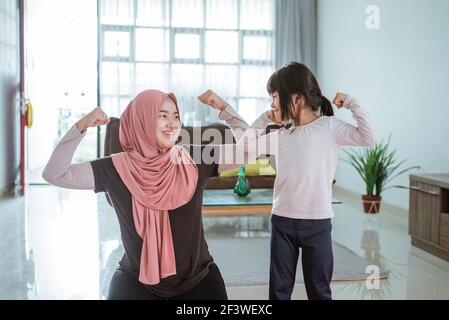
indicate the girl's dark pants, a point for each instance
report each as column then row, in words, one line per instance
column 314, row 238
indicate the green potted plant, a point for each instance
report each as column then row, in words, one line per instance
column 377, row 166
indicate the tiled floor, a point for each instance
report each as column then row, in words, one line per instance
column 58, row 244
column 384, row 241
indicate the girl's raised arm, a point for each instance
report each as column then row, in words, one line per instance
column 347, row 134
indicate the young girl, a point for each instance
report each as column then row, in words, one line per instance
column 158, row 201
column 306, row 160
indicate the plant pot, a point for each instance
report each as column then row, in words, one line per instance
column 371, row 204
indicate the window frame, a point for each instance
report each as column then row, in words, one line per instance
column 172, row 31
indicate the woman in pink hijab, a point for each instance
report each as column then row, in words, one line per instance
column 156, row 189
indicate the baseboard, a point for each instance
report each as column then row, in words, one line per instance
column 9, row 191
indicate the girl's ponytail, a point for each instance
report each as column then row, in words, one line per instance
column 326, row 107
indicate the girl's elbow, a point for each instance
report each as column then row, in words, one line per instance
column 370, row 141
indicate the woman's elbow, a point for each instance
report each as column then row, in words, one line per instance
column 49, row 177
column 241, row 146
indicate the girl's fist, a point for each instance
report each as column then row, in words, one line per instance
column 339, row 99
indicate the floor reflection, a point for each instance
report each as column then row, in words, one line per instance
column 62, row 235
column 17, row 260
column 62, row 244
column 237, row 227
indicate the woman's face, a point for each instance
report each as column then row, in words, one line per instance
column 275, row 107
column 168, row 125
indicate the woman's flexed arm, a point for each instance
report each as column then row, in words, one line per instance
column 59, row 170
column 237, row 124
column 233, row 155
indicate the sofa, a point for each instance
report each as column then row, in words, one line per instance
column 112, row 145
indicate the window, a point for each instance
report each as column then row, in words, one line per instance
column 116, row 44
column 222, row 47
column 187, row 46
column 146, row 51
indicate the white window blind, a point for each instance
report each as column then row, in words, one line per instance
column 187, row 46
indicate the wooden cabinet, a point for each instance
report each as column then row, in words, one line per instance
column 444, row 230
column 429, row 213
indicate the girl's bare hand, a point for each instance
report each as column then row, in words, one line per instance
column 339, row 99
column 271, row 115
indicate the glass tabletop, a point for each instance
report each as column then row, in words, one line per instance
column 227, row 197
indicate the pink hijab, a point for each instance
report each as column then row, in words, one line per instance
column 155, row 181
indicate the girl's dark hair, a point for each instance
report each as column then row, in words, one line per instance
column 296, row 78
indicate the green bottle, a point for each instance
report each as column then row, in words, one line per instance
column 242, row 187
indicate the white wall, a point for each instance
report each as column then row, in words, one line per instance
column 400, row 74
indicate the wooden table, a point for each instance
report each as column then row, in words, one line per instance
column 226, row 203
